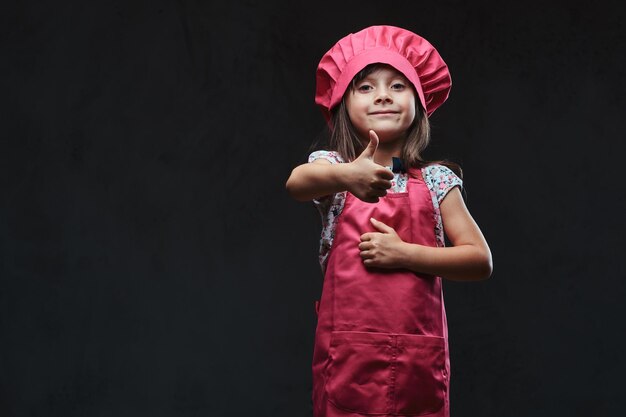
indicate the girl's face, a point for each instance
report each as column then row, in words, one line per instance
column 384, row 101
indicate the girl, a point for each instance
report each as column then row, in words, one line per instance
column 381, row 343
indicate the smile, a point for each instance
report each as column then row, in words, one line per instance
column 384, row 112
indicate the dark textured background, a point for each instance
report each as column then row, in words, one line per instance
column 152, row 263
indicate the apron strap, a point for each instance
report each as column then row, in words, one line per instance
column 416, row 173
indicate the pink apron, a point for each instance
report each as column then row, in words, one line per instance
column 381, row 344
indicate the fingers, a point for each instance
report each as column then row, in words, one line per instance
column 366, row 255
column 381, row 184
column 378, row 188
column 365, row 246
column 366, row 250
column 373, row 145
column 370, row 150
column 385, row 174
column 373, row 195
column 377, row 192
column 381, row 227
column 367, row 241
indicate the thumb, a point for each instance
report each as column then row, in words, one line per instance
column 381, row 227
column 371, row 147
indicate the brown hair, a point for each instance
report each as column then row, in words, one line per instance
column 345, row 141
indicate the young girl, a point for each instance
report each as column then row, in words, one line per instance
column 381, row 344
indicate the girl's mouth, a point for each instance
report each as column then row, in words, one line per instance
column 384, row 112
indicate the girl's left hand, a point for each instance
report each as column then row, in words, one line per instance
column 381, row 249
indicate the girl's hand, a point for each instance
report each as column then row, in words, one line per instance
column 367, row 180
column 382, row 249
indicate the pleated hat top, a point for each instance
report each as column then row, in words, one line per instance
column 404, row 50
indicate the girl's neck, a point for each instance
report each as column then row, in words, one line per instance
column 387, row 150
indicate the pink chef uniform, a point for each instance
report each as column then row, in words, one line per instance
column 381, row 344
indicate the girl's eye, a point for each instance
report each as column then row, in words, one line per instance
column 398, row 86
column 365, row 87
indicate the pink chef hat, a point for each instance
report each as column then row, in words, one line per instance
column 407, row 52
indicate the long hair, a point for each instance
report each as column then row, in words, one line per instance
column 344, row 140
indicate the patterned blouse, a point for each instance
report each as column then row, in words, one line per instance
column 439, row 179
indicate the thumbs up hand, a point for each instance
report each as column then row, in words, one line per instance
column 369, row 181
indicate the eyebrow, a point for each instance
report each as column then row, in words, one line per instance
column 394, row 77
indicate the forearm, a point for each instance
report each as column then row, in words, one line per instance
column 311, row 181
column 457, row 263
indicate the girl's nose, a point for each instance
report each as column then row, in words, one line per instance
column 383, row 96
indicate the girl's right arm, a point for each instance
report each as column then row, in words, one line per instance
column 362, row 177
column 317, row 179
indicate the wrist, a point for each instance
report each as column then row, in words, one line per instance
column 342, row 175
column 409, row 255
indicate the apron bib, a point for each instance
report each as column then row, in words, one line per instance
column 381, row 343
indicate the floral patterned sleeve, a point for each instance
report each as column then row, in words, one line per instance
column 440, row 180
column 332, row 157
column 329, row 208
column 444, row 179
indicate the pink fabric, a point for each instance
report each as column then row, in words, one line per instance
column 381, row 344
column 407, row 52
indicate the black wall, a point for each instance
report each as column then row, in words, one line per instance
column 151, row 262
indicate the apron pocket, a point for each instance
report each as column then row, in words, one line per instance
column 421, row 382
column 383, row 373
column 359, row 371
